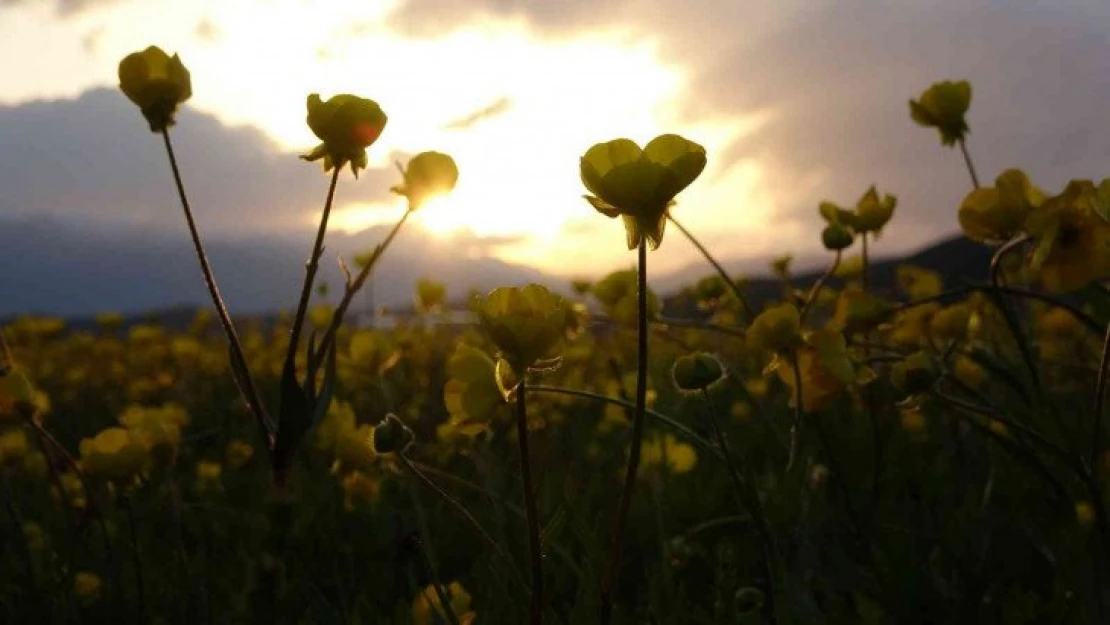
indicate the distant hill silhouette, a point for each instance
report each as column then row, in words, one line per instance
column 957, row 260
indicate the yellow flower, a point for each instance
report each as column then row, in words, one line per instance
column 87, row 585
column 427, row 609
column 430, row 296
column 157, row 428
column 1084, row 513
column 951, row 323
column 526, row 324
column 860, row 311
column 617, row 293
column 1072, row 239
column 696, row 372
column 913, row 421
column 238, row 453
column 391, row 436
column 113, row 454
column 157, row 83
column 428, row 174
column 969, row 372
column 471, row 394
column 918, row 283
column 354, row 449
column 72, row 490
column 872, row 213
column 775, row 329
column 33, row 534
column 347, row 125
column 915, row 374
column 359, row 488
column 679, row 457
column 640, row 184
column 943, row 106
column 995, row 214
column 208, row 476
column 825, row 370
column 13, row 446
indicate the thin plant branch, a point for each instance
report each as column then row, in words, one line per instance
column 243, row 379
column 732, row 285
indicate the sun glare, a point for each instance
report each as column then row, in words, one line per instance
column 515, row 109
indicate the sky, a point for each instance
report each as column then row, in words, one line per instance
column 796, row 102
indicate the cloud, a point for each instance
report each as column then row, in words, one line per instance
column 207, row 31
column 64, row 8
column 92, row 160
column 831, row 81
column 493, row 109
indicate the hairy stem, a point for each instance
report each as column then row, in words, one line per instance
column 244, row 379
column 619, row 521
column 732, row 285
column 530, row 508
column 970, row 165
column 749, row 498
column 310, row 273
column 353, row 287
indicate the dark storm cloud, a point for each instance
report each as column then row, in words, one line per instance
column 833, row 80
column 93, row 160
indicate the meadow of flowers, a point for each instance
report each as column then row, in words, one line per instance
column 848, row 453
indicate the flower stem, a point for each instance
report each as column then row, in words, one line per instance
column 818, row 286
column 716, row 265
column 619, row 521
column 687, row 432
column 353, row 287
column 243, row 378
column 458, row 507
column 749, row 498
column 139, row 583
column 532, row 515
column 970, row 165
column 310, row 272
column 1007, row 310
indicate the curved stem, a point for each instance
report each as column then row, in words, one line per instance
column 638, row 419
column 749, row 498
column 139, row 583
column 970, row 165
column 864, row 259
column 310, row 273
column 716, row 265
column 818, row 286
column 1100, row 398
column 530, row 509
column 1008, row 312
column 243, row 379
column 353, row 287
column 1079, row 315
column 687, row 432
column 799, row 411
column 458, row 507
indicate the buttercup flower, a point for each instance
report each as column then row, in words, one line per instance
column 640, row 184
column 428, row 174
column 825, row 367
column 775, row 329
column 696, row 372
column 347, row 125
column 157, row 83
column 1072, row 239
column 113, row 454
column 87, row 585
column 471, row 393
column 995, row 214
column 427, row 609
column 943, row 106
column 873, row 212
column 526, row 324
column 391, row 435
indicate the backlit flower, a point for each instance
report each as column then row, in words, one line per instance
column 943, row 106
column 347, row 125
column 1072, row 239
column 157, row 83
column 640, row 184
